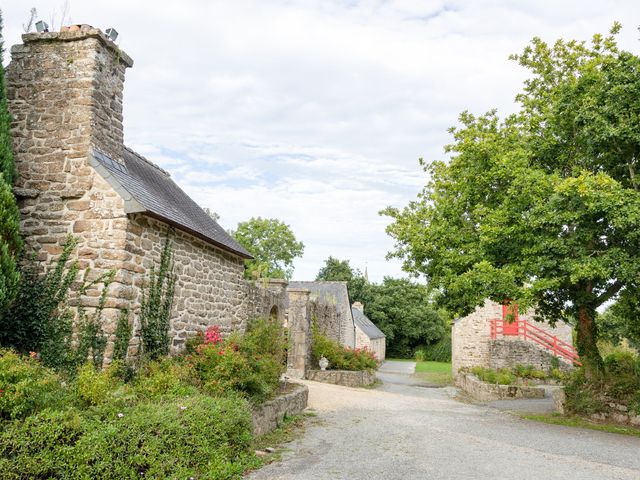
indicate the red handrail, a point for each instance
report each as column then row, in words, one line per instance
column 558, row 347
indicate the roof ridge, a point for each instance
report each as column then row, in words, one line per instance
column 146, row 160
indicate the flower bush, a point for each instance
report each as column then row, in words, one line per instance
column 340, row 358
column 250, row 364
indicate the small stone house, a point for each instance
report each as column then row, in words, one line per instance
column 76, row 176
column 367, row 334
column 496, row 336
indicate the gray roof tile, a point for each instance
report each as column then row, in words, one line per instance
column 366, row 325
column 153, row 191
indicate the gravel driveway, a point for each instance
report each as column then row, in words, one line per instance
column 405, row 430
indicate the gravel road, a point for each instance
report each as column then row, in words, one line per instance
column 407, row 430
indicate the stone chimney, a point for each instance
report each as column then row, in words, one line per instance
column 64, row 90
column 358, row 306
column 65, row 93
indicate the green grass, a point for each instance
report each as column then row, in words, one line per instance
column 558, row 419
column 399, row 359
column 435, row 372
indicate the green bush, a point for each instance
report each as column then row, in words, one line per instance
column 199, row 436
column 339, row 357
column 94, row 387
column 437, row 352
column 504, row 376
column 583, row 396
column 166, row 377
column 26, row 386
column 528, row 371
column 621, row 362
column 250, row 364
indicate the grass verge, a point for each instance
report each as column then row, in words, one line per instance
column 558, row 419
column 434, row 372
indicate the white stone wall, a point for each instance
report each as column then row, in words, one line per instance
column 471, row 339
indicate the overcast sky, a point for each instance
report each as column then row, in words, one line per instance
column 316, row 112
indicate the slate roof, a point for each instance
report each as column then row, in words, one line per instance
column 331, row 293
column 146, row 188
column 366, row 325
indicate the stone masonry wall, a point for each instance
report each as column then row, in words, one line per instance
column 210, row 288
column 65, row 94
column 472, row 343
column 505, row 353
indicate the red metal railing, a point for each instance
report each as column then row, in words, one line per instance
column 537, row 335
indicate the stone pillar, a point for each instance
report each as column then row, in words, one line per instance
column 299, row 332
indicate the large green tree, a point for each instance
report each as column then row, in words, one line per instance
column 542, row 207
column 272, row 245
column 403, row 311
column 10, row 241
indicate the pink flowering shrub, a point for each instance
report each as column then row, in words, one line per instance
column 250, row 364
column 212, row 335
column 340, row 357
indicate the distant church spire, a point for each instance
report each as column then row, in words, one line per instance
column 366, row 274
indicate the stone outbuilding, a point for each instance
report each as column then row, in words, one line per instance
column 76, row 177
column 497, row 336
column 367, row 334
column 331, row 310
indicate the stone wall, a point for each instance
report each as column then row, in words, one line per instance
column 346, row 378
column 505, row 353
column 376, row 345
column 270, row 415
column 210, row 287
column 487, row 392
column 472, row 344
column 64, row 90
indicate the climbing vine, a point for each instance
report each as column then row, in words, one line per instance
column 155, row 310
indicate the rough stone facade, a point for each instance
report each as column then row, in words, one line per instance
column 210, row 288
column 330, row 309
column 299, row 316
column 472, row 344
column 65, row 94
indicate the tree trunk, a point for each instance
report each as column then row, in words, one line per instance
column 587, row 347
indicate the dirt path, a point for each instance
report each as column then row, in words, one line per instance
column 409, row 431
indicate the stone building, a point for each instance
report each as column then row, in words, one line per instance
column 367, row 334
column 76, row 176
column 487, row 338
column 331, row 310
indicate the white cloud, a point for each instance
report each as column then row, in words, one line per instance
column 315, row 112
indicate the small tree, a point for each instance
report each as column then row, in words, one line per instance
column 10, row 241
column 272, row 245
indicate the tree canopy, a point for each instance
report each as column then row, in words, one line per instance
column 273, row 246
column 340, row 271
column 402, row 310
column 10, row 241
column 542, row 207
